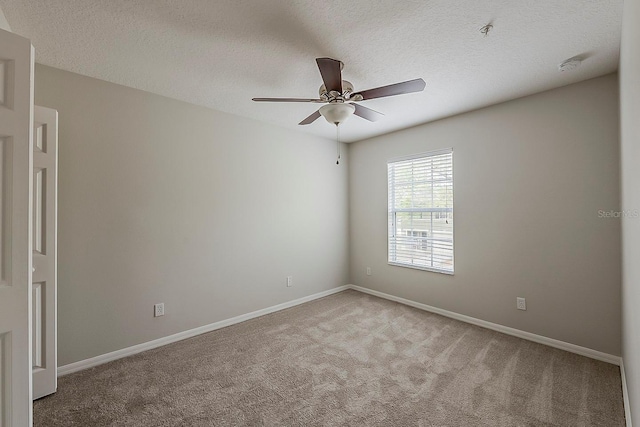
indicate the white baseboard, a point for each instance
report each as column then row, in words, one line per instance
column 583, row 351
column 625, row 394
column 118, row 354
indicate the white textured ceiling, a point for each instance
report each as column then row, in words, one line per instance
column 222, row 53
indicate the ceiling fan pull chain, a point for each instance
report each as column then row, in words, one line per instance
column 338, row 142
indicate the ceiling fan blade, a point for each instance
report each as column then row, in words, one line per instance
column 410, row 86
column 367, row 113
column 331, row 74
column 286, row 100
column 312, row 118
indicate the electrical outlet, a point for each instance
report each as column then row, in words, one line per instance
column 289, row 281
column 368, row 271
column 521, row 303
column 158, row 310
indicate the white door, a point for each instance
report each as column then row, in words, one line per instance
column 45, row 184
column 16, row 118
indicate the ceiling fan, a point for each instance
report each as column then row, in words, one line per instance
column 339, row 96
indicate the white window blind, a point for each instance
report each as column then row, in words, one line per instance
column 421, row 211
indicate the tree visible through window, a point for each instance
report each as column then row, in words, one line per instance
column 421, row 211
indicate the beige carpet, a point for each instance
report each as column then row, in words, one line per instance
column 348, row 359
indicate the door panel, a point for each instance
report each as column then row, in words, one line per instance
column 16, row 118
column 43, row 289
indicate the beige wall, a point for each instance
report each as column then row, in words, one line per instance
column 529, row 178
column 163, row 201
column 630, row 153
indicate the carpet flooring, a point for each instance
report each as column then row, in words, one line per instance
column 349, row 359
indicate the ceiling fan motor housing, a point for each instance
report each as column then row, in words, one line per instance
column 335, row 96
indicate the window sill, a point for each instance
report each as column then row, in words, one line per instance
column 417, row 267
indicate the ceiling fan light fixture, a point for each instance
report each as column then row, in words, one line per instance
column 337, row 113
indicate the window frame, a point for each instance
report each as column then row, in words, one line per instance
column 392, row 213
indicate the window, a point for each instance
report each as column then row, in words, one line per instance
column 421, row 211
